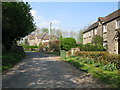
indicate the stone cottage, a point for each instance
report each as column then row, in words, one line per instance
column 44, row 39
column 109, row 28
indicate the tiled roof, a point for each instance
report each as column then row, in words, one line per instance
column 94, row 25
column 105, row 19
column 112, row 16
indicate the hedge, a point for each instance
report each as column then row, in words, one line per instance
column 32, row 46
column 91, row 47
column 101, row 56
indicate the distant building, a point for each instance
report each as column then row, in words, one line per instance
column 109, row 28
column 44, row 39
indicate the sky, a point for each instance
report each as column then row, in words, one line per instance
column 70, row 16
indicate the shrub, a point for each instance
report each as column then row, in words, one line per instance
column 109, row 67
column 10, row 58
column 88, row 61
column 103, row 57
column 109, row 78
column 97, row 39
column 32, row 46
column 91, row 47
column 98, row 64
column 54, row 46
column 68, row 43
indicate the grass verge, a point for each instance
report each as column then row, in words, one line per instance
column 9, row 59
column 97, row 71
column 55, row 53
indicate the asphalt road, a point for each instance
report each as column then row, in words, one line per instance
column 39, row 70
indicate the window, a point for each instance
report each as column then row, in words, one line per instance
column 104, row 28
column 95, row 31
column 84, row 36
column 105, row 44
column 90, row 34
column 117, row 23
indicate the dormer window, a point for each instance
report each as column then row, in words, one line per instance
column 104, row 28
column 118, row 24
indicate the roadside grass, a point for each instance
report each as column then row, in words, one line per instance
column 9, row 59
column 54, row 53
column 109, row 77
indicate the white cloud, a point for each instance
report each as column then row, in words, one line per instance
column 36, row 16
column 41, row 21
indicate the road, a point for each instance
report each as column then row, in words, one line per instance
column 39, row 70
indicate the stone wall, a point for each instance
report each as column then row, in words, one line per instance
column 112, row 43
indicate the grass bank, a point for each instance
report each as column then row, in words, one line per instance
column 54, row 53
column 10, row 58
column 107, row 73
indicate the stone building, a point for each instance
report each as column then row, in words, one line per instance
column 109, row 28
column 44, row 39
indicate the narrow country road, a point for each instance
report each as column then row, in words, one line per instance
column 40, row 70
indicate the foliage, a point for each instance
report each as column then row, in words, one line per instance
column 110, row 67
column 32, row 46
column 103, row 57
column 109, row 77
column 88, row 61
column 90, row 47
column 98, row 64
column 54, row 46
column 80, row 36
column 17, row 22
column 44, row 30
column 10, row 58
column 97, row 39
column 55, row 53
column 60, row 38
column 68, row 43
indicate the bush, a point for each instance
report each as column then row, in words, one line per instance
column 10, row 58
column 32, row 46
column 54, row 46
column 91, row 47
column 98, row 64
column 103, row 57
column 109, row 67
column 97, row 39
column 110, row 77
column 68, row 43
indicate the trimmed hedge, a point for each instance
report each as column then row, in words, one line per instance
column 32, row 46
column 91, row 47
column 103, row 57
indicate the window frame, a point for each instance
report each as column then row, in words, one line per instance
column 117, row 24
column 104, row 28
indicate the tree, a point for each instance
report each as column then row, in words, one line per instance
column 68, row 43
column 44, row 30
column 97, row 39
column 17, row 22
column 80, row 36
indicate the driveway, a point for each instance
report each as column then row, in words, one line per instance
column 39, row 70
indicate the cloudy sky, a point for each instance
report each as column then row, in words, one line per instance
column 70, row 16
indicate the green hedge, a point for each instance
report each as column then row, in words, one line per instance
column 10, row 58
column 68, row 43
column 102, row 56
column 32, row 46
column 91, row 47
